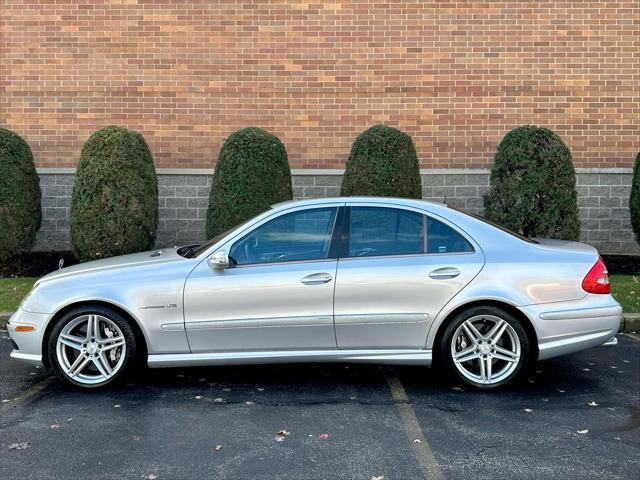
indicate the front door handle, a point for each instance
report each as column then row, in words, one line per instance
column 443, row 273
column 317, row 279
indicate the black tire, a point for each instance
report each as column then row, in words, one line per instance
column 131, row 356
column 445, row 347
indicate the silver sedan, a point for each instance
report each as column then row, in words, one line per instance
column 328, row 280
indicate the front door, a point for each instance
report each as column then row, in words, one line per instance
column 398, row 271
column 278, row 296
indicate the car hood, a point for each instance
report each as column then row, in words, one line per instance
column 114, row 263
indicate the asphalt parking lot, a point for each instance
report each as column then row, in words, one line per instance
column 577, row 417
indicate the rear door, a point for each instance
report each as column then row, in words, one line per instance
column 399, row 267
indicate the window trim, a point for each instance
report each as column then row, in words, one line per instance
column 337, row 209
column 425, row 216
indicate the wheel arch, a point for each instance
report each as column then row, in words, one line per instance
column 141, row 340
column 509, row 308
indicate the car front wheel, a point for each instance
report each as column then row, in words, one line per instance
column 486, row 347
column 92, row 347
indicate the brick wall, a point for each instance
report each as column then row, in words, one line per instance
column 603, row 197
column 455, row 75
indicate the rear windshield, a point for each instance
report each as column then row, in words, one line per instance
column 499, row 227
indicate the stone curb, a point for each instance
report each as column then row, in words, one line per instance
column 630, row 321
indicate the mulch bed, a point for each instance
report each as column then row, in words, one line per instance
column 37, row 264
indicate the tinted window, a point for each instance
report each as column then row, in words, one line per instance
column 443, row 239
column 303, row 235
column 385, row 231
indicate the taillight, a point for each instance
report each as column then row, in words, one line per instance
column 597, row 280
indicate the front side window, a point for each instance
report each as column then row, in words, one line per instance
column 378, row 231
column 296, row 236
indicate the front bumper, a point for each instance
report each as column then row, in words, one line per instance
column 29, row 344
column 568, row 327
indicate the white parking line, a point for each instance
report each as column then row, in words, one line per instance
column 426, row 459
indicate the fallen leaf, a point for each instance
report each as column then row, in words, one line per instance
column 417, row 440
column 614, row 367
column 284, row 433
column 528, row 410
column 199, row 397
column 583, row 432
column 324, row 436
column 586, row 370
column 593, row 404
column 117, row 406
column 260, row 389
column 55, row 426
column 136, row 438
column 217, row 448
column 249, row 403
column 5, row 400
column 218, row 400
column 379, row 477
column 19, row 446
column 560, row 390
column 279, row 439
column 151, row 476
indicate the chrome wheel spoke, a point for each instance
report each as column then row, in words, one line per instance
column 78, row 365
column 472, row 332
column 466, row 355
column 506, row 355
column 487, row 369
column 112, row 343
column 496, row 333
column 102, row 365
column 71, row 341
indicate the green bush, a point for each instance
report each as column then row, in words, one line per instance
column 382, row 163
column 634, row 199
column 20, row 213
column 252, row 173
column 533, row 185
column 114, row 207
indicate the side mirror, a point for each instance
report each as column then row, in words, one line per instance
column 219, row 260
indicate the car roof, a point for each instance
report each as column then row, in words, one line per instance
column 352, row 200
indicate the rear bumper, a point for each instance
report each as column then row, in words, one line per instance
column 29, row 344
column 569, row 327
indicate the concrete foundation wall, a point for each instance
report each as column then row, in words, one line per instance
column 603, row 196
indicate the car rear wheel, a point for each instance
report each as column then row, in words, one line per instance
column 486, row 347
column 92, row 347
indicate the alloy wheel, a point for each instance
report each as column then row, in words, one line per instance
column 91, row 349
column 485, row 349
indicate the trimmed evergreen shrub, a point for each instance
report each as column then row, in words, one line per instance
column 252, row 173
column 20, row 213
column 114, row 207
column 383, row 163
column 533, row 185
column 634, row 199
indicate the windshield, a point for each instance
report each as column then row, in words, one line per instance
column 498, row 226
column 195, row 250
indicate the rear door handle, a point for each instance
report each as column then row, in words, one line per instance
column 443, row 273
column 317, row 279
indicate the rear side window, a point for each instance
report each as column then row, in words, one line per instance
column 442, row 238
column 385, row 231
column 379, row 231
